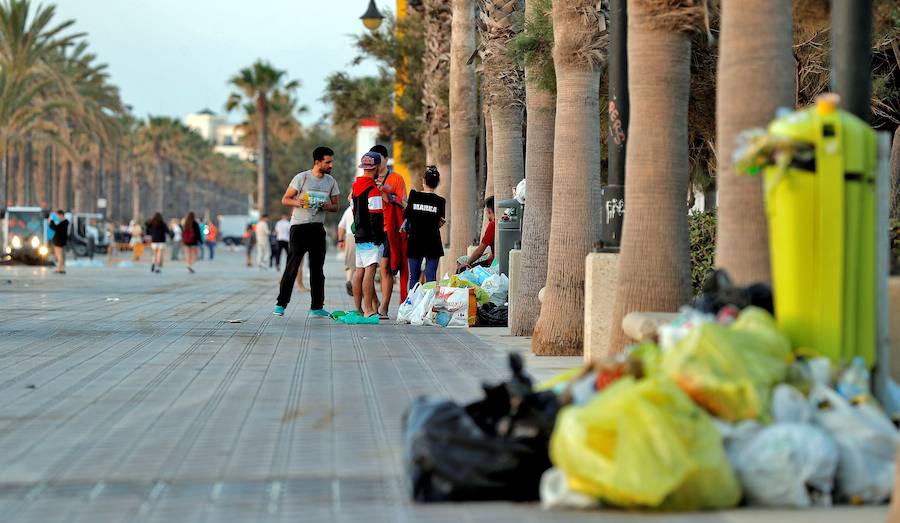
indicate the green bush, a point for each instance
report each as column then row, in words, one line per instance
column 703, row 247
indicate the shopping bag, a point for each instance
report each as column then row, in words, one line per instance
column 644, row 444
column 451, row 307
column 730, row 371
column 421, row 311
column 405, row 310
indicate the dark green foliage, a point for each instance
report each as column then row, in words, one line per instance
column 703, row 247
column 533, row 46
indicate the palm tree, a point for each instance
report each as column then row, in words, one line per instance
column 536, row 48
column 463, row 127
column 755, row 77
column 579, row 31
column 503, row 82
column 435, row 93
column 654, row 265
column 255, row 84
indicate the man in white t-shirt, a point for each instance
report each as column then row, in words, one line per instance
column 311, row 193
column 282, row 239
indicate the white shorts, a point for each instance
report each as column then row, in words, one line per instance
column 157, row 246
column 367, row 254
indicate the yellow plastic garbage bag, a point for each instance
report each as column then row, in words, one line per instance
column 644, row 444
column 730, row 371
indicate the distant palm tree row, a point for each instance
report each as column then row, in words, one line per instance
column 68, row 141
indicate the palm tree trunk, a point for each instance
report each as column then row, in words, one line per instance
column 17, row 178
column 560, row 327
column 79, row 186
column 507, row 158
column 441, row 157
column 489, row 152
column 135, row 194
column 262, row 165
column 68, row 199
column 101, row 178
column 4, row 173
column 895, row 176
column 755, row 77
column 160, row 183
column 463, row 127
column 114, row 207
column 49, row 162
column 541, row 110
column 28, row 171
column 654, row 265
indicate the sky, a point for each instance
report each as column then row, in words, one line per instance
column 174, row 57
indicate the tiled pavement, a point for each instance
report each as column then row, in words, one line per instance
column 130, row 396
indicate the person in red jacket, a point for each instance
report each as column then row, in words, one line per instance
column 393, row 261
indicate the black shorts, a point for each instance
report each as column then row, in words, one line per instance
column 386, row 255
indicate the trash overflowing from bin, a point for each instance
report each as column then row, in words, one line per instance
column 721, row 411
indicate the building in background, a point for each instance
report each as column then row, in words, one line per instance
column 226, row 137
column 366, row 137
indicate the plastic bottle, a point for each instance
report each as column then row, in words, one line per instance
column 853, row 383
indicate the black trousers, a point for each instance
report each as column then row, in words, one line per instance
column 281, row 246
column 306, row 238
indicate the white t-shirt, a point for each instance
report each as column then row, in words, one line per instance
column 347, row 220
column 318, row 190
column 176, row 233
column 283, row 230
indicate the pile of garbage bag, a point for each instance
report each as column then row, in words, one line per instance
column 727, row 395
column 721, row 411
column 448, row 303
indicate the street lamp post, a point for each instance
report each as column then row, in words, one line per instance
column 372, row 19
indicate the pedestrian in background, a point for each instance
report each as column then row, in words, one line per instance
column 250, row 242
column 191, row 238
column 212, row 233
column 347, row 244
column 60, row 228
column 137, row 240
column 176, row 239
column 159, row 232
column 282, row 240
column 424, row 216
column 263, row 247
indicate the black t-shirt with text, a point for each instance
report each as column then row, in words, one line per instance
column 424, row 212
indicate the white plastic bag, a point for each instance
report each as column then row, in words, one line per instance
column 867, row 441
column 421, row 312
column 789, row 405
column 786, row 465
column 556, row 493
column 405, row 310
column 451, row 307
column 497, row 288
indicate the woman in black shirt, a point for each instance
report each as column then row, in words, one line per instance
column 424, row 218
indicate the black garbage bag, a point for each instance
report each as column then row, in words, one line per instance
column 493, row 449
column 719, row 291
column 490, row 315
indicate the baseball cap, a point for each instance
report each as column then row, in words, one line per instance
column 370, row 161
